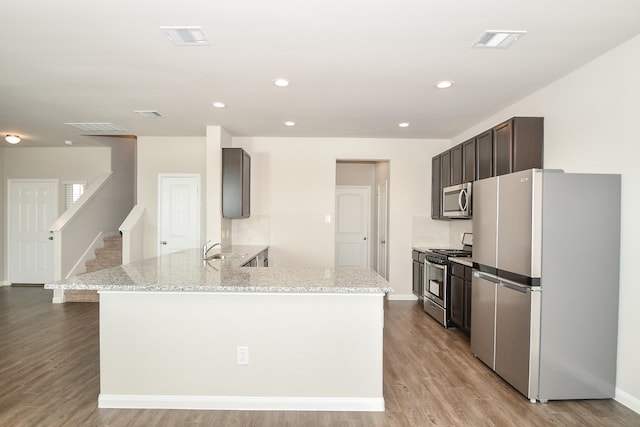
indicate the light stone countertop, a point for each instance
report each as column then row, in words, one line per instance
column 468, row 261
column 185, row 271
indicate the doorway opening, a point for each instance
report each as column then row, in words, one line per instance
column 362, row 214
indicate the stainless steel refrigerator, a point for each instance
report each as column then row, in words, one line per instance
column 546, row 254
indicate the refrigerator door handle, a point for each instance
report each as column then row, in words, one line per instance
column 488, row 277
column 519, row 288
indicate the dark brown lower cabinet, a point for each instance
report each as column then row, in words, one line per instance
column 418, row 273
column 461, row 296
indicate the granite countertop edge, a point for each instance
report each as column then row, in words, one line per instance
column 186, row 272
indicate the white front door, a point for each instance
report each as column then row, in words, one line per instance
column 178, row 212
column 382, row 229
column 33, row 208
column 353, row 212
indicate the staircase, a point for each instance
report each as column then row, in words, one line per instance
column 109, row 255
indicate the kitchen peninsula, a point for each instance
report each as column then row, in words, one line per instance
column 179, row 332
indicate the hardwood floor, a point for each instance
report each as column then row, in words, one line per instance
column 49, row 376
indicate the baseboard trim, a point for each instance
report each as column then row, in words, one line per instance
column 402, row 297
column 241, row 403
column 5, row 283
column 628, row 400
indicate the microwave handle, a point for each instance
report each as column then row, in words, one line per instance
column 462, row 207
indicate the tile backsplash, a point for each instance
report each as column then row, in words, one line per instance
column 434, row 233
column 251, row 231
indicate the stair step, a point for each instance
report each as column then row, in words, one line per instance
column 112, row 242
column 81, row 296
column 109, row 255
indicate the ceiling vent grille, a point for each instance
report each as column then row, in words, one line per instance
column 492, row 39
column 149, row 114
column 97, row 127
column 186, row 36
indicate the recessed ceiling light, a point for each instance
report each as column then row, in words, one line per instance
column 68, row 142
column 219, row 104
column 289, row 123
column 186, row 36
column 495, row 39
column 281, row 82
column 403, row 125
column 12, row 139
column 444, row 84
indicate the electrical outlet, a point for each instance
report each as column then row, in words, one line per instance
column 243, row 355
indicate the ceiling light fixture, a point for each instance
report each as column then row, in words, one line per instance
column 149, row 114
column 67, row 142
column 444, row 84
column 496, row 39
column 12, row 139
column 186, row 36
column 403, row 125
column 281, row 82
column 289, row 123
column 219, row 104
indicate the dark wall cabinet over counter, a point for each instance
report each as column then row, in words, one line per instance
column 236, row 183
column 514, row 145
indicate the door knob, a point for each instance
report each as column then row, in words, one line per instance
column 50, row 237
column 364, row 238
column 164, row 242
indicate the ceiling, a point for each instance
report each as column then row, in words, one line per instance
column 357, row 67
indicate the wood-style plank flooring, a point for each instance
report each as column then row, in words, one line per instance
column 49, row 376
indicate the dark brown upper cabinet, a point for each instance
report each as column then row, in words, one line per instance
column 236, row 183
column 436, row 188
column 469, row 160
column 514, row 145
column 445, row 169
column 518, row 145
column 484, row 155
column 456, row 165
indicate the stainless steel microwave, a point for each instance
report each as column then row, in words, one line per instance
column 456, row 201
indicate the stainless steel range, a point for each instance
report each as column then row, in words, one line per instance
column 437, row 289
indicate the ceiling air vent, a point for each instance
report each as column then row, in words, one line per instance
column 97, row 127
column 498, row 39
column 149, row 114
column 186, row 36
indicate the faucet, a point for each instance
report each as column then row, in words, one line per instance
column 206, row 248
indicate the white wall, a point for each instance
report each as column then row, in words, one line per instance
column 3, row 209
column 158, row 155
column 63, row 164
column 218, row 229
column 293, row 186
column 591, row 116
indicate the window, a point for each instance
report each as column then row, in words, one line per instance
column 73, row 191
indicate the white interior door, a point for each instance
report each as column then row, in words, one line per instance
column 383, row 203
column 353, row 212
column 33, row 208
column 178, row 213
